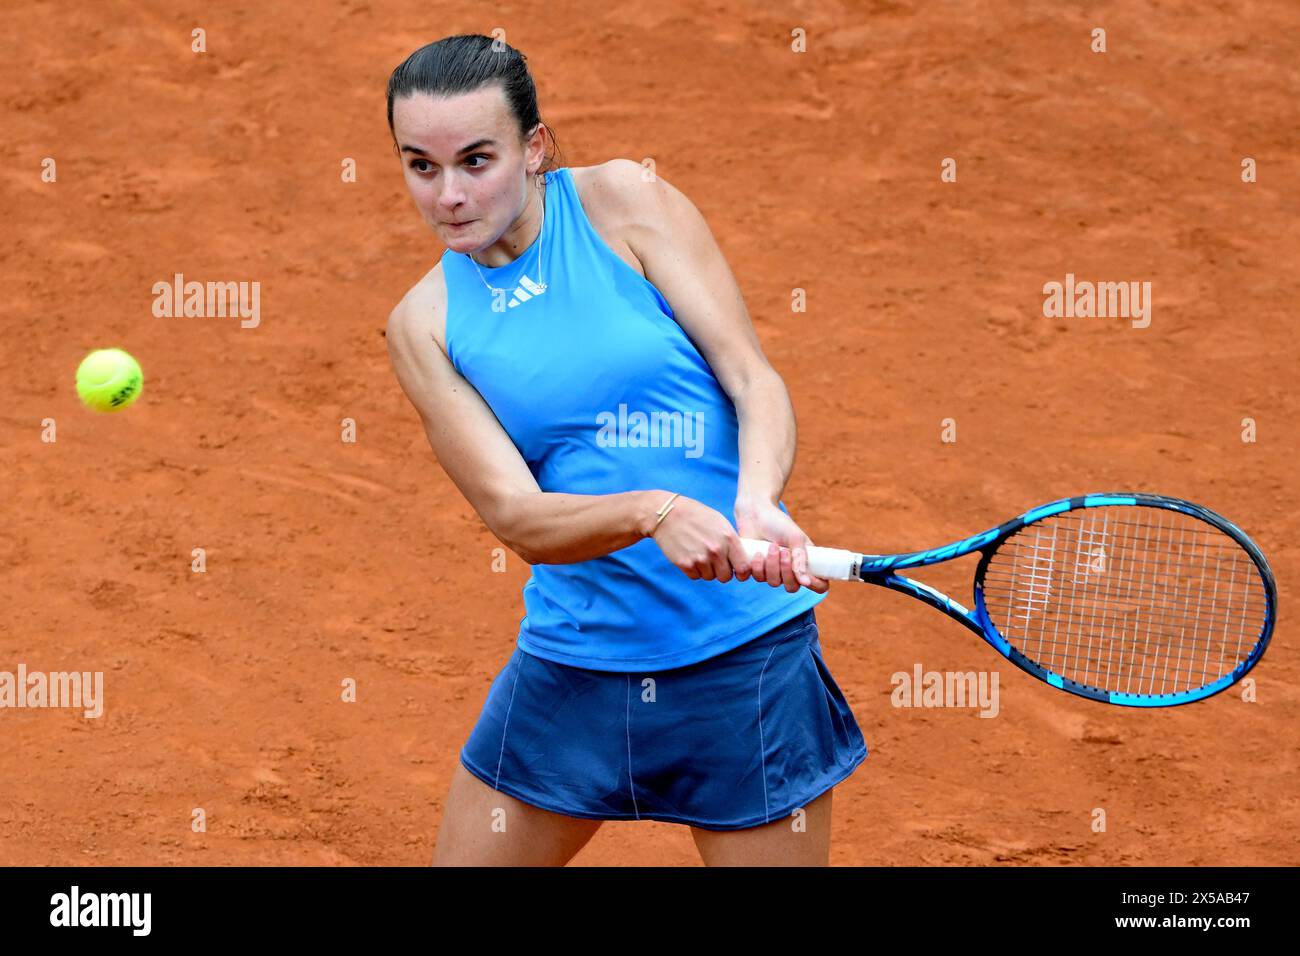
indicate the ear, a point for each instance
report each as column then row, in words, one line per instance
column 541, row 147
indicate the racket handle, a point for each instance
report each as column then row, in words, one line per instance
column 833, row 564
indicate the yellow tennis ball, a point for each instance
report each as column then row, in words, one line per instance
column 108, row 380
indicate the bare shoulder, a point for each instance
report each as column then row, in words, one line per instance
column 423, row 308
column 617, row 199
column 614, row 191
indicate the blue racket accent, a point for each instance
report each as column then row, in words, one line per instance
column 1055, row 507
column 1101, row 603
column 1092, row 501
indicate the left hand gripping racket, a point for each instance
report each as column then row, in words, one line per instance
column 1131, row 599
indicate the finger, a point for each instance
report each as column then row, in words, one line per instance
column 722, row 568
column 740, row 566
column 705, row 569
column 800, row 562
column 737, row 559
column 772, row 565
column 788, row 577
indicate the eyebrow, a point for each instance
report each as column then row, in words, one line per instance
column 478, row 143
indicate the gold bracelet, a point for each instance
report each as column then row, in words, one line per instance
column 663, row 513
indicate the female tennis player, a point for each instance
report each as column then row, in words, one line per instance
column 587, row 374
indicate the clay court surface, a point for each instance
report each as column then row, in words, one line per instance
column 817, row 171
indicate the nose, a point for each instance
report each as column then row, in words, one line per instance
column 450, row 196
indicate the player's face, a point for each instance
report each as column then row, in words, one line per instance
column 468, row 197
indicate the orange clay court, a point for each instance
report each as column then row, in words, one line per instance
column 817, row 171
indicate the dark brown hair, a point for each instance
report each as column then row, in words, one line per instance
column 463, row 64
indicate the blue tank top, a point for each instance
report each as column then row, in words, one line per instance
column 603, row 392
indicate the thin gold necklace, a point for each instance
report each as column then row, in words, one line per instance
column 541, row 235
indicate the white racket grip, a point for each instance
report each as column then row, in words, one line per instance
column 833, row 564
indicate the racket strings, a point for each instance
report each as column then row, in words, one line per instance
column 1141, row 601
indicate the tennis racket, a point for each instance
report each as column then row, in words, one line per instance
column 1131, row 599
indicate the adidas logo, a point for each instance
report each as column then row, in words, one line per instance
column 526, row 290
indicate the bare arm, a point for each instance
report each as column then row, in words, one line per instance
column 767, row 440
column 683, row 260
column 479, row 457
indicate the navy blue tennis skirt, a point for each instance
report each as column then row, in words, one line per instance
column 735, row 741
